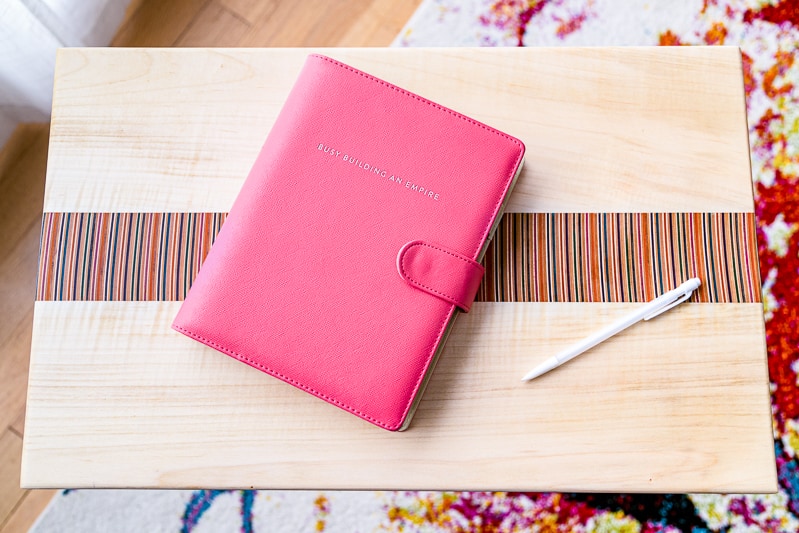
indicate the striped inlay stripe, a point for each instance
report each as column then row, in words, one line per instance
column 621, row 257
column 563, row 257
column 123, row 256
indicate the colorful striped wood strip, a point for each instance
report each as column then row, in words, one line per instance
column 561, row 257
column 621, row 257
column 123, row 256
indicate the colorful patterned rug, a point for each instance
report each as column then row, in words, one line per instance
column 768, row 33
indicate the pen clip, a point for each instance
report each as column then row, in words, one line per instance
column 666, row 307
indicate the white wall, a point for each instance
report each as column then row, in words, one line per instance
column 30, row 33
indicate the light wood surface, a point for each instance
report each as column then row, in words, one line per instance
column 119, row 399
column 681, row 404
column 607, row 130
column 23, row 158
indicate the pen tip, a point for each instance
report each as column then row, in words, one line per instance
column 543, row 368
column 533, row 374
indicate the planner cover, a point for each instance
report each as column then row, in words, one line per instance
column 355, row 240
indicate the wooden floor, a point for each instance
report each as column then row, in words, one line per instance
column 23, row 161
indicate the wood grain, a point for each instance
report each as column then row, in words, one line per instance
column 15, row 348
column 18, row 425
column 327, row 22
column 214, row 25
column 255, row 11
column 381, row 21
column 633, row 129
column 18, row 146
column 332, row 23
column 24, row 515
column 10, row 492
column 157, row 23
column 21, row 195
column 119, row 399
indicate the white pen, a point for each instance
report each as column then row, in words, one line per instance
column 659, row 305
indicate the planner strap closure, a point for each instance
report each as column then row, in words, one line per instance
column 443, row 273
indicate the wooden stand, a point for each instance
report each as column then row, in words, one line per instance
column 680, row 404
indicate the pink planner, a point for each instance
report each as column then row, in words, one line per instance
column 354, row 242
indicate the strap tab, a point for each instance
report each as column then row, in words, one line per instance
column 445, row 274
